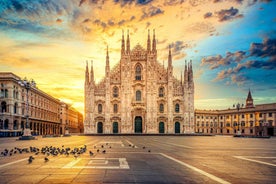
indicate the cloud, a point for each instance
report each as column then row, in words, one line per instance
column 239, row 79
column 129, row 2
column 217, row 61
column 261, row 56
column 59, row 20
column 265, row 49
column 208, row 14
column 228, row 14
column 173, row 2
column 81, row 2
column 150, row 12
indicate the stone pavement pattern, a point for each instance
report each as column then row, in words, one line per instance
column 143, row 159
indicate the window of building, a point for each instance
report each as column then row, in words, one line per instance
column 138, row 73
column 3, row 106
column 138, row 95
column 115, row 108
column 100, row 108
column 221, row 117
column 242, row 115
column 15, row 108
column 6, row 93
column 161, row 92
column 177, row 107
column 227, row 124
column 115, row 92
column 270, row 114
column 251, row 115
column 161, row 108
column 260, row 115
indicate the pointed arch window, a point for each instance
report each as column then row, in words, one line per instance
column 161, row 92
column 138, row 95
column 177, row 107
column 115, row 92
column 138, row 73
column 100, row 108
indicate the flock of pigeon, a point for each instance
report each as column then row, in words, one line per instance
column 55, row 151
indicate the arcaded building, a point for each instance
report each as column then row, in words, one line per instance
column 47, row 115
column 139, row 95
column 247, row 119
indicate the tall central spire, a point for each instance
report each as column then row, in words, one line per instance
column 123, row 44
column 128, row 43
column 170, row 57
column 148, row 43
column 107, row 57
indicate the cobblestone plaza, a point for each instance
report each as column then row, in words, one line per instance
column 140, row 159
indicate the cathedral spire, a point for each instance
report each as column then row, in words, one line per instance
column 92, row 74
column 148, row 43
column 107, row 59
column 128, row 43
column 190, row 71
column 86, row 74
column 154, row 42
column 185, row 73
column 170, row 57
column 123, row 44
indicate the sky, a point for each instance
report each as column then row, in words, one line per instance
column 232, row 43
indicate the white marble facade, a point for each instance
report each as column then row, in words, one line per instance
column 139, row 95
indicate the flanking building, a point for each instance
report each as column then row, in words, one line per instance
column 45, row 111
column 139, row 95
column 255, row 120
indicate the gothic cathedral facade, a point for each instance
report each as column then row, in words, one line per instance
column 139, row 95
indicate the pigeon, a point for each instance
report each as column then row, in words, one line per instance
column 148, row 150
column 91, row 153
column 30, row 160
column 144, row 147
column 46, row 159
column 98, row 150
column 103, row 151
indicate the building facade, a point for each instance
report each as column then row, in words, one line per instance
column 139, row 95
column 45, row 111
column 256, row 120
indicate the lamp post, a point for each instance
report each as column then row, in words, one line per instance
column 27, row 135
column 66, row 133
column 238, row 106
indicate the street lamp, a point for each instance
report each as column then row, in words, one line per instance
column 27, row 135
column 238, row 106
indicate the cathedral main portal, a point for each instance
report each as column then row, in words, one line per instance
column 138, row 124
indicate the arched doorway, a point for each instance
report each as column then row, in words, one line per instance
column 161, row 128
column 138, row 125
column 115, row 127
column 177, row 127
column 100, row 128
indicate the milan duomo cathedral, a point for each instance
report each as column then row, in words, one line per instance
column 139, row 95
